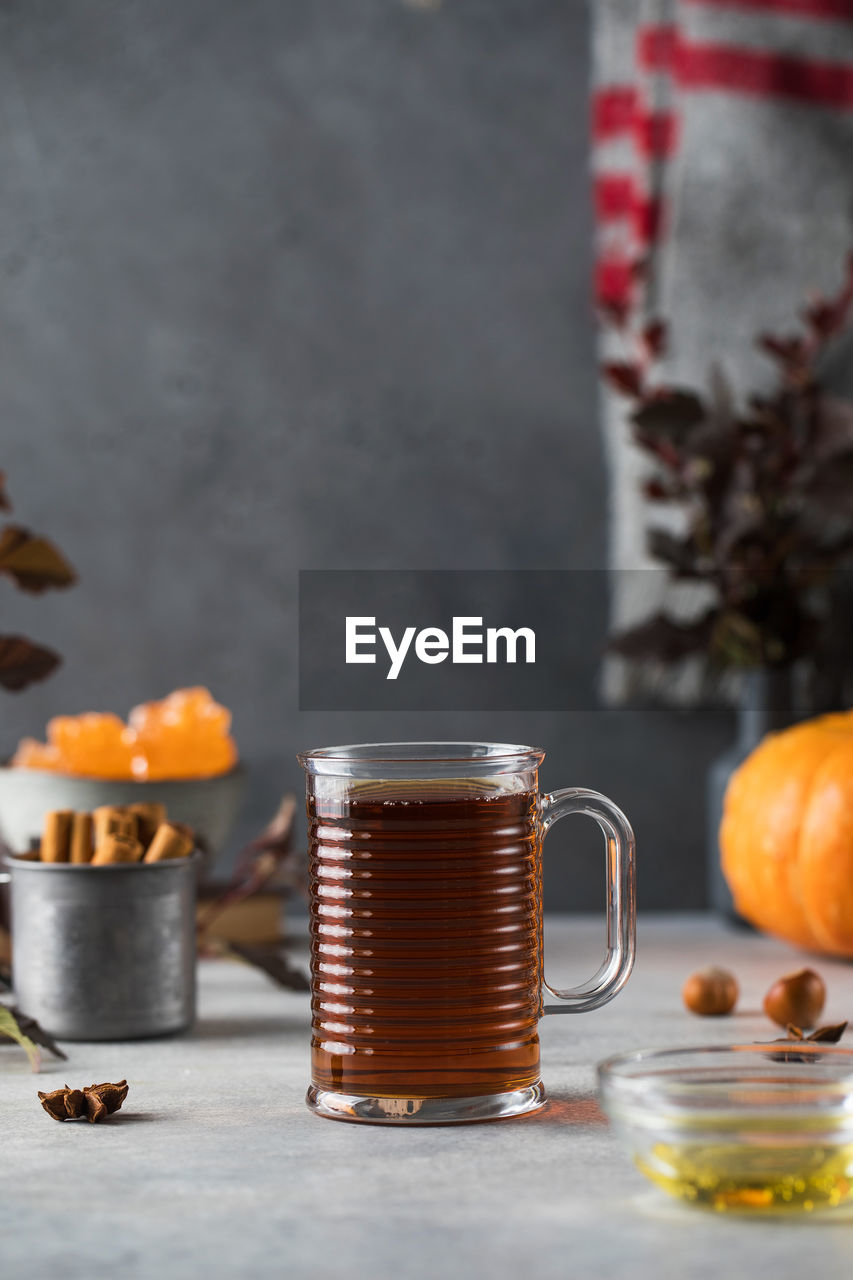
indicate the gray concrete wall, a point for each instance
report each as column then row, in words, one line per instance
column 290, row 285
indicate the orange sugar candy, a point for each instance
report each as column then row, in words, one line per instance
column 186, row 735
column 95, row 743
column 35, row 755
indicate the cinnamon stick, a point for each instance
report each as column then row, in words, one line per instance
column 169, row 842
column 148, row 816
column 113, row 820
column 114, row 848
column 82, row 837
column 56, row 836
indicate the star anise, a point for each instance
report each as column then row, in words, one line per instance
column 97, row 1101
column 63, row 1104
column 830, row 1034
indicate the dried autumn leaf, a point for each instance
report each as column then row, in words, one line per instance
column 9, row 1027
column 5, row 504
column 34, row 563
column 37, row 1033
column 274, row 962
column 23, row 663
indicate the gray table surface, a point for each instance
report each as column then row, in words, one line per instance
column 215, row 1168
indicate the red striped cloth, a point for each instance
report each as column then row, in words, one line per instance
column 722, row 144
column 638, row 106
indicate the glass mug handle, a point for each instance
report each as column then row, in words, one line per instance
column 620, row 849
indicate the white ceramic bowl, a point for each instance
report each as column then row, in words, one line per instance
column 208, row 805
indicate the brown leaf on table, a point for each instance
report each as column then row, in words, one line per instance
column 23, row 663
column 274, row 962
column 34, row 563
column 37, row 1034
column 9, row 1029
column 5, row 504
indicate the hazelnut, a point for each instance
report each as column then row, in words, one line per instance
column 711, row 992
column 797, row 998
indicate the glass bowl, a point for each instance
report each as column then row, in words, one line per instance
column 752, row 1128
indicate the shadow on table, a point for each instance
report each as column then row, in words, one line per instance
column 248, row 1028
column 571, row 1110
column 134, row 1117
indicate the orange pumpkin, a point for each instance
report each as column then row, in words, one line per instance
column 787, row 835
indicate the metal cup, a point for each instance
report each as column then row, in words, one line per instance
column 104, row 952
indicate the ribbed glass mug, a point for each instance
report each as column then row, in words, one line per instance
column 426, row 928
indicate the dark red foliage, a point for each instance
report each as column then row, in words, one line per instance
column 767, row 489
column 624, row 377
column 654, row 338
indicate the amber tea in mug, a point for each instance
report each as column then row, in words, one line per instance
column 426, row 928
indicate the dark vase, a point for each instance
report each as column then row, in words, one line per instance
column 766, row 703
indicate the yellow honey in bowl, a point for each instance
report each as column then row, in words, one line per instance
column 747, row 1179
